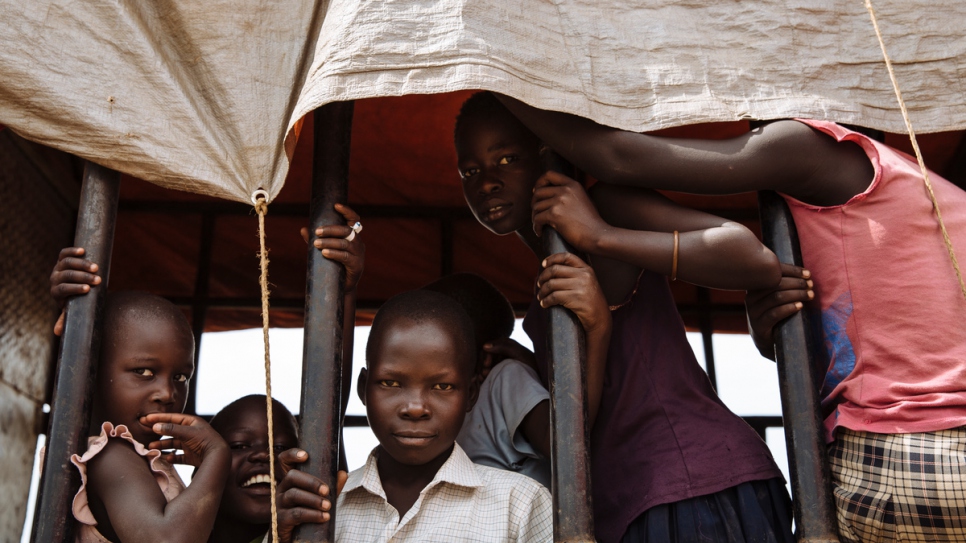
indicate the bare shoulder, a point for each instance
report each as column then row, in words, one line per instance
column 119, row 469
column 821, row 171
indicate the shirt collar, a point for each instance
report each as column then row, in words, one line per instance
column 457, row 470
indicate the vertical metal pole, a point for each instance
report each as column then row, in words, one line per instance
column 807, row 458
column 199, row 304
column 324, row 312
column 573, row 512
column 77, row 365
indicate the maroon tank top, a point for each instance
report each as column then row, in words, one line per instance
column 661, row 435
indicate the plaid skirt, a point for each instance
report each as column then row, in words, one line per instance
column 900, row 487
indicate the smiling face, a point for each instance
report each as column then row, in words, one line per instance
column 244, row 426
column 499, row 162
column 418, row 389
column 146, row 363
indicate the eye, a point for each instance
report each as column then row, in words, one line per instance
column 181, row 378
column 279, row 448
column 443, row 386
column 145, row 372
column 238, row 445
column 388, row 383
column 508, row 159
column 469, row 172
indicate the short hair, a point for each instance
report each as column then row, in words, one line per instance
column 140, row 307
column 277, row 407
column 421, row 306
column 488, row 309
column 480, row 103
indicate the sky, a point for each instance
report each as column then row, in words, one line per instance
column 232, row 365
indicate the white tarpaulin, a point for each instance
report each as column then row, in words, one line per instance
column 202, row 96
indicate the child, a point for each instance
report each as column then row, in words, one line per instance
column 418, row 484
column 883, row 284
column 245, row 512
column 509, row 427
column 668, row 460
column 128, row 492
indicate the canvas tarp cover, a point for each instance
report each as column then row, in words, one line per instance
column 204, row 96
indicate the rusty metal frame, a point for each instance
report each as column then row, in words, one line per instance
column 77, row 363
column 798, row 381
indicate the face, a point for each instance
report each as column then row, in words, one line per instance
column 145, row 368
column 417, row 392
column 499, row 163
column 247, row 495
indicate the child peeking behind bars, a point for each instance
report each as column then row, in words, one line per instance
column 130, row 491
column 418, row 484
column 883, row 290
column 669, row 461
column 509, row 427
column 245, row 510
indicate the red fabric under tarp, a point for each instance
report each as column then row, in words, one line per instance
column 402, row 155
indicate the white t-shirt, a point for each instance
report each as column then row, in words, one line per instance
column 490, row 435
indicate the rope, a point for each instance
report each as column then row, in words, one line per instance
column 261, row 207
column 915, row 147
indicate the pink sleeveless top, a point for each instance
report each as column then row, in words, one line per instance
column 164, row 473
column 892, row 315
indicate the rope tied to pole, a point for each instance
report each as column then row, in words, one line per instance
column 260, row 200
column 915, row 147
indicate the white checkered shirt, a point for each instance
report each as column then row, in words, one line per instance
column 464, row 502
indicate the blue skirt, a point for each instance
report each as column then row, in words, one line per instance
column 756, row 511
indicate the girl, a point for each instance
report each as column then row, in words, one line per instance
column 884, row 289
column 669, row 461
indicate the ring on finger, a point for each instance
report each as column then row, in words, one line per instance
column 356, row 229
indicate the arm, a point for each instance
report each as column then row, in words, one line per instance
column 130, row 499
column 786, row 156
column 767, row 308
column 568, row 281
column 636, row 226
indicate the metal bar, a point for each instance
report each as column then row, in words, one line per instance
column 199, row 306
column 573, row 512
column 77, row 364
column 807, row 459
column 324, row 311
column 369, row 211
column 372, row 304
column 707, row 331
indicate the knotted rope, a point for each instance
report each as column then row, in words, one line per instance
column 915, row 147
column 260, row 199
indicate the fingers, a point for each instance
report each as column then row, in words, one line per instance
column 293, row 498
column 162, row 444
column 180, row 419
column 552, row 178
column 792, row 270
column 303, row 481
column 290, row 458
column 350, row 216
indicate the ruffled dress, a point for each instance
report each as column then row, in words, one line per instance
column 164, row 473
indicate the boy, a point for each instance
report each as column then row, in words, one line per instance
column 418, row 484
column 509, row 427
column 246, row 510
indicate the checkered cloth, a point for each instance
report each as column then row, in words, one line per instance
column 900, row 487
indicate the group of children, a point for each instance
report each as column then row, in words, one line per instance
column 461, row 412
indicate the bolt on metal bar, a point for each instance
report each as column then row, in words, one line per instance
column 573, row 518
column 798, row 380
column 324, row 312
column 77, row 363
